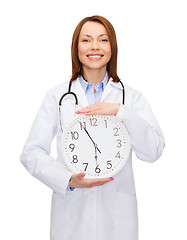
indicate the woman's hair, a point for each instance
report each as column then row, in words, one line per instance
column 77, row 69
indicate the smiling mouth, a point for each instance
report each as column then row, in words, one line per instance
column 95, row 56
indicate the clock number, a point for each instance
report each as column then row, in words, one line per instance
column 118, row 155
column 74, row 135
column 116, row 131
column 93, row 122
column 72, row 147
column 85, row 166
column 75, row 160
column 82, row 125
column 119, row 143
column 97, row 169
column 109, row 164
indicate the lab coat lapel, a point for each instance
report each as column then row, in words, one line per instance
column 68, row 104
column 109, row 88
column 78, row 90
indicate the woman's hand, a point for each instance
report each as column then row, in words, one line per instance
column 78, row 181
column 100, row 108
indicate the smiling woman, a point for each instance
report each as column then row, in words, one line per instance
column 92, row 208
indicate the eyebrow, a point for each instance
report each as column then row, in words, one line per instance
column 101, row 35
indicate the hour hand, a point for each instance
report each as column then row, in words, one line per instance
column 95, row 145
column 96, row 154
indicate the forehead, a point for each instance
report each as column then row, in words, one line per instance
column 93, row 29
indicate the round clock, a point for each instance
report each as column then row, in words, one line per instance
column 98, row 145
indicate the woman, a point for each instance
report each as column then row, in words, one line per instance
column 92, row 209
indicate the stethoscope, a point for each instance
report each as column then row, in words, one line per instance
column 76, row 99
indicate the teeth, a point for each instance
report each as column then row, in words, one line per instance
column 94, row 56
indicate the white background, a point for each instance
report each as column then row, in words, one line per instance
column 35, row 40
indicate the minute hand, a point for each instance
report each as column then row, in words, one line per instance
column 95, row 145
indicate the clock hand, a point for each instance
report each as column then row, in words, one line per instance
column 96, row 154
column 95, row 145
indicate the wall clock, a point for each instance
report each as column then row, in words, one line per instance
column 98, row 145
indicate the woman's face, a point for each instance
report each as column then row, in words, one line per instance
column 94, row 49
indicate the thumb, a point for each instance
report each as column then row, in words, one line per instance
column 81, row 175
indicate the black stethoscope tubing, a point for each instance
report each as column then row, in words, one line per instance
column 76, row 99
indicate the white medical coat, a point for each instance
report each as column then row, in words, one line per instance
column 107, row 212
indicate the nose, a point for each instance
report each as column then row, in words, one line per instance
column 95, row 45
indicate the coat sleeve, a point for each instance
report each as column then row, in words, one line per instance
column 147, row 139
column 36, row 153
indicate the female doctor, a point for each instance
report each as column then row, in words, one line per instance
column 92, row 209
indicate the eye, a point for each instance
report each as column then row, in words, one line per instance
column 85, row 40
column 104, row 40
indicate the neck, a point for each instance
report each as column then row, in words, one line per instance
column 94, row 75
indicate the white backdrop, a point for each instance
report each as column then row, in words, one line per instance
column 35, row 40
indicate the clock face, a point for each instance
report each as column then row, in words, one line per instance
column 98, row 145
